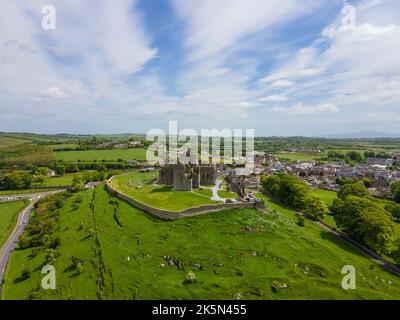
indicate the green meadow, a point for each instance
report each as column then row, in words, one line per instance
column 8, row 218
column 298, row 156
column 10, row 141
column 140, row 186
column 99, row 155
column 237, row 253
column 61, row 181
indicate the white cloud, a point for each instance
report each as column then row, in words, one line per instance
column 300, row 109
column 273, row 98
column 214, row 26
column 284, row 83
column 349, row 66
column 95, row 46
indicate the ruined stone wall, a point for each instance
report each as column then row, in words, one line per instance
column 173, row 215
column 208, row 175
column 182, row 179
column 166, row 175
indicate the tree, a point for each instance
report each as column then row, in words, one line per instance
column 369, row 154
column 60, row 170
column 72, row 168
column 354, row 156
column 394, row 186
column 396, row 196
column 14, row 181
column 101, row 167
column 394, row 209
column 367, row 182
column 383, row 155
column 294, row 192
column 314, row 206
column 27, row 180
column 355, row 189
column 76, row 180
column 364, row 221
column 40, row 174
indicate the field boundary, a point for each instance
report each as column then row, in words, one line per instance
column 173, row 215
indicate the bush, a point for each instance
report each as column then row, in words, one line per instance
column 301, row 221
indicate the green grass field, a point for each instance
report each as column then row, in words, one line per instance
column 10, row 141
column 233, row 252
column 327, row 196
column 140, row 186
column 297, row 156
column 8, row 217
column 65, row 180
column 99, row 155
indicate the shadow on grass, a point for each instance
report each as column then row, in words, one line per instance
column 161, row 189
column 337, row 240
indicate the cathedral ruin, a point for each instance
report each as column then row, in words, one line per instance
column 185, row 177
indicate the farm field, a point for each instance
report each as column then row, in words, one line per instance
column 99, row 155
column 10, row 141
column 65, row 180
column 8, row 217
column 297, row 156
column 126, row 260
column 140, row 186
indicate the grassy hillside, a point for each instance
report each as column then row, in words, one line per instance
column 99, row 155
column 140, row 186
column 26, row 154
column 10, row 141
column 234, row 252
column 8, row 217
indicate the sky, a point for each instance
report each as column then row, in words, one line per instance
column 311, row 67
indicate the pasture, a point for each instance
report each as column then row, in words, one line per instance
column 236, row 253
column 100, row 155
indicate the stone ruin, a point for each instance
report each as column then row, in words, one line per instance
column 237, row 183
column 186, row 177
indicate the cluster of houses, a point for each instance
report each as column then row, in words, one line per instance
column 120, row 145
column 327, row 176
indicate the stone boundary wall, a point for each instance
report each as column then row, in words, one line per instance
column 173, row 215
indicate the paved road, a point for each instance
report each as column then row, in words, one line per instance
column 11, row 243
column 22, row 222
column 37, row 195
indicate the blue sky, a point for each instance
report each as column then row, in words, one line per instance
column 311, row 67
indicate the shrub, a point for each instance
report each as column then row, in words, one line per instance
column 301, row 221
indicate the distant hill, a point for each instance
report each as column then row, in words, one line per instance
column 363, row 135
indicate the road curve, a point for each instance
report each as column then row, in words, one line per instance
column 23, row 220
